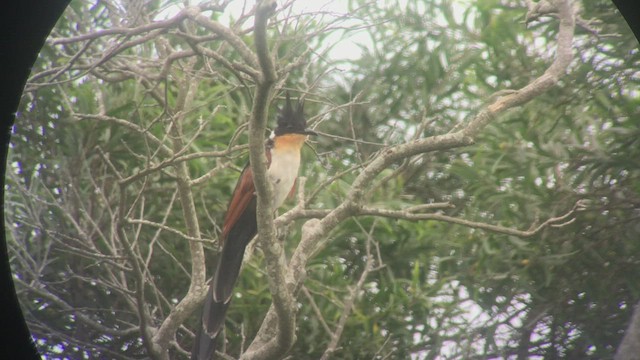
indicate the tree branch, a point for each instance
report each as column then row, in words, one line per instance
column 197, row 289
column 630, row 346
column 282, row 336
column 350, row 302
column 407, row 215
column 232, row 38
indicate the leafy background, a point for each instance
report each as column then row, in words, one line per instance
column 439, row 290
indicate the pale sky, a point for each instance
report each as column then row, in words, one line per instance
column 346, row 47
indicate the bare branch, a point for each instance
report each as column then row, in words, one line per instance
column 350, row 302
column 247, row 55
column 630, row 345
column 197, row 289
column 68, row 308
column 316, row 310
column 408, row 215
column 169, row 229
column 129, row 125
column 284, row 335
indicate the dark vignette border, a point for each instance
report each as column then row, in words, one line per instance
column 24, row 26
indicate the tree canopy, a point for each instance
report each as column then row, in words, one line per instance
column 474, row 193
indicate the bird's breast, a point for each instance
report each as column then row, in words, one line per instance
column 282, row 172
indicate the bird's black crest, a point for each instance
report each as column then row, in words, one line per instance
column 290, row 120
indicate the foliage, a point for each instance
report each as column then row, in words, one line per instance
column 98, row 223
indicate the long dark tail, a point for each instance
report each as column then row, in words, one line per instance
column 221, row 289
column 205, row 343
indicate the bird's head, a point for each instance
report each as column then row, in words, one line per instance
column 291, row 120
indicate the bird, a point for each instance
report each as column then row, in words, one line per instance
column 283, row 150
